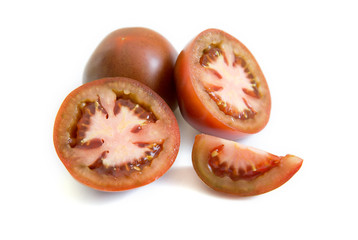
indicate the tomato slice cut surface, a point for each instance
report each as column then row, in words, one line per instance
column 231, row 167
column 115, row 134
column 221, row 88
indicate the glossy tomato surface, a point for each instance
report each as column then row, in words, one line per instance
column 220, row 86
column 138, row 53
column 115, row 134
column 234, row 168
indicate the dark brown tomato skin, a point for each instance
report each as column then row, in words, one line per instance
column 138, row 53
column 194, row 109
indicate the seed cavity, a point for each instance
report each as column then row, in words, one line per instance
column 211, row 53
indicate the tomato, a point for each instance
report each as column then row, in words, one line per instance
column 138, row 53
column 220, row 86
column 115, row 134
column 234, row 168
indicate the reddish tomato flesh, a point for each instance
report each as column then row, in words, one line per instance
column 115, row 134
column 234, row 168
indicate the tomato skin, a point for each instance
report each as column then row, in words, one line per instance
column 194, row 109
column 76, row 164
column 269, row 181
column 138, row 53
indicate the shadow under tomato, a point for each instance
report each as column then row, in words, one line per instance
column 84, row 193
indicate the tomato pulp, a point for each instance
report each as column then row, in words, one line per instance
column 115, row 134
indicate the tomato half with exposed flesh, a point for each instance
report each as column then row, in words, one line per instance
column 231, row 167
column 220, row 86
column 115, row 134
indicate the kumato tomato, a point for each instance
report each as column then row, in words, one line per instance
column 115, row 134
column 231, row 167
column 138, row 53
column 220, row 86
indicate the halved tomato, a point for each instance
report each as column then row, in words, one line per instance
column 115, row 134
column 231, row 167
column 220, row 86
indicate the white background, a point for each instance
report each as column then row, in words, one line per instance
column 308, row 52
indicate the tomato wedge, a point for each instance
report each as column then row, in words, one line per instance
column 234, row 168
column 115, row 134
column 220, row 86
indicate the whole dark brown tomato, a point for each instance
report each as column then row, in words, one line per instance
column 138, row 53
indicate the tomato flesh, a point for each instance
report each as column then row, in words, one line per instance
column 231, row 167
column 115, row 134
column 229, row 83
column 96, row 128
column 220, row 86
column 248, row 164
